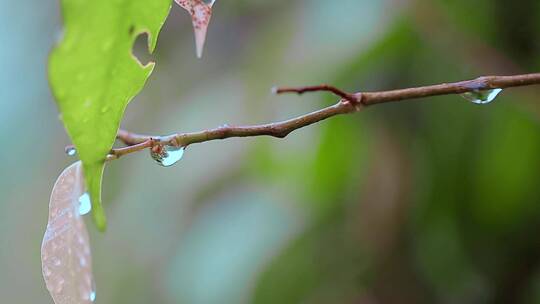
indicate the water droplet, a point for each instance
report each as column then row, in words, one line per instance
column 482, row 96
column 71, row 151
column 167, row 156
column 85, row 205
column 92, row 295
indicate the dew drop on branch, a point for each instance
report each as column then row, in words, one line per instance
column 201, row 13
column 65, row 251
column 482, row 96
column 167, row 156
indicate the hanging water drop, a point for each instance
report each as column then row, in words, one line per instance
column 71, row 151
column 167, row 156
column 85, row 205
column 92, row 295
column 482, row 96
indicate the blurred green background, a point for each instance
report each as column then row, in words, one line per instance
column 432, row 201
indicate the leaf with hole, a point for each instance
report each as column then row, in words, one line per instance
column 65, row 251
column 93, row 75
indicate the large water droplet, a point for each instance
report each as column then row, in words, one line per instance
column 85, row 205
column 167, row 156
column 482, row 96
column 71, row 151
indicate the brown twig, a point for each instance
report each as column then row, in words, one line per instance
column 349, row 103
column 277, row 129
column 354, row 98
column 117, row 153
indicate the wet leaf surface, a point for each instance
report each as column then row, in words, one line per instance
column 65, row 251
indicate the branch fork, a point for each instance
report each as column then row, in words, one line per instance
column 348, row 103
column 355, row 99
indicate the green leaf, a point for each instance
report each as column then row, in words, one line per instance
column 94, row 75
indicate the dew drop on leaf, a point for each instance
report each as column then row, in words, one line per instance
column 65, row 251
column 167, row 156
column 92, row 293
column 85, row 205
column 201, row 13
column 482, row 96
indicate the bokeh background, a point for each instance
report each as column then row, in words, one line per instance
column 432, row 201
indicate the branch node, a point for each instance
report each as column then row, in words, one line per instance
column 318, row 88
column 348, row 103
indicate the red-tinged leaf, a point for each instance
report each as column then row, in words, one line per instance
column 65, row 251
column 201, row 13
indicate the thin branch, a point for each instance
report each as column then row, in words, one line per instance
column 277, row 129
column 354, row 98
column 349, row 103
column 478, row 84
column 117, row 153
